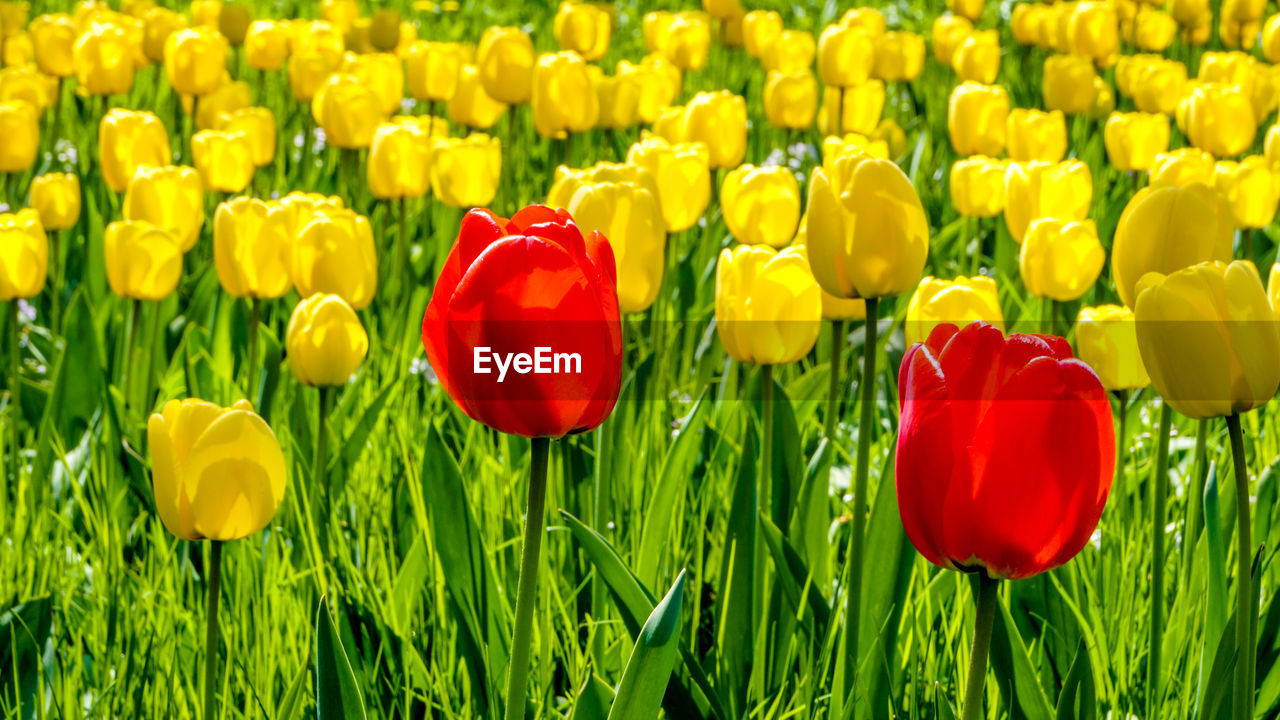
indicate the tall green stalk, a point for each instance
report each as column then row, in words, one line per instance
column 1246, row 614
column 766, row 451
column 214, row 581
column 15, row 392
column 986, row 600
column 518, row 670
column 833, row 386
column 1159, row 492
column 251, row 361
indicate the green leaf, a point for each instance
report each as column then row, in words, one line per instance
column 794, row 576
column 737, row 570
column 676, row 468
column 1078, row 699
column 358, row 439
column 290, row 703
column 812, row 516
column 1011, row 666
column 1216, row 703
column 337, row 695
column 593, row 701
column 648, row 672
column 408, row 586
column 24, row 636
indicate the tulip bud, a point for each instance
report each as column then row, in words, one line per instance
column 259, row 125
column 970, row 9
column 564, row 98
column 1163, row 230
column 868, row 19
column 224, row 159
column 686, row 41
column 1158, row 87
column 833, row 308
column 53, row 40
column 682, row 176
column 1060, row 259
column 217, row 473
column 1134, row 140
column 867, row 234
column 659, row 83
column 325, row 340
column 399, row 161
column 56, row 197
column 1069, row 84
column 948, row 32
column 348, row 111
column 791, row 51
column 230, row 97
column 308, row 71
column 168, row 197
column 1092, row 32
column 718, row 120
column 158, row 24
column 1107, row 341
column 24, row 259
column 144, row 262
column 471, row 105
column 619, row 99
column 1041, row 189
column 334, row 253
column 899, row 57
column 977, row 186
column 1182, row 167
column 761, row 204
column 1220, row 119
column 958, row 302
column 768, row 306
column 435, row 68
column 977, row 119
column 845, row 55
column 20, row 128
column 1035, row 135
column 266, row 45
column 465, row 171
column 382, row 74
column 759, row 29
column 790, row 99
column 1251, row 190
column 506, row 58
column 859, row 108
column 252, row 243
column 194, row 60
column 583, row 28
column 977, row 58
column 1026, row 22
column 103, row 61
column 836, row 146
column 233, row 22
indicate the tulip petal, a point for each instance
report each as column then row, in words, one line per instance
column 235, row 478
column 926, row 452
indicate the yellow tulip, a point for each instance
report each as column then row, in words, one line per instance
column 506, row 58
column 252, row 242
column 194, row 60
column 868, row 19
column 18, row 50
column 1251, row 190
column 20, row 128
column 1158, row 86
column 619, row 99
column 224, row 159
column 381, row 73
column 583, row 28
column 158, row 24
column 260, row 125
column 29, row 85
column 348, row 111
column 1182, row 167
column 233, row 22
column 144, row 262
column 687, row 41
column 1153, row 30
column 228, row 98
column 1272, row 144
column 53, row 40
column 325, row 340
column 168, row 197
column 835, row 146
column 334, row 253
column 867, row 234
column 435, row 68
column 790, row 99
column 1107, row 341
column 308, row 71
column 217, row 473
column 682, row 175
column 899, row 57
column 1026, row 22
column 471, row 105
column 977, row 186
column 958, row 302
column 859, row 109
column 892, row 135
column 768, row 306
column 465, row 171
column 977, row 59
column 1273, row 289
column 659, row 82
column 128, row 140
column 977, row 119
column 1163, row 230
column 656, row 26
column 1220, row 119
column 1069, row 84
column 948, row 32
column 1271, row 39
column 1060, row 259
column 205, row 13
column 833, row 308
column 266, row 45
column 759, row 29
column 761, row 204
column 564, row 98
column 103, row 61
column 1036, row 135
column 1093, row 32
column 718, row 120
column 621, row 202
column 399, row 161
column 791, row 51
column 845, row 55
column 297, row 209
column 1135, row 139
column 56, row 197
column 1209, row 338
column 24, row 255
column 1041, row 189
column 970, row 9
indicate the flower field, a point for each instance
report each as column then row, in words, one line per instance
column 741, row 360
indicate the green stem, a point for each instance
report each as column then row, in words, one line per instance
column 401, row 269
column 1159, row 491
column 15, row 391
column 1244, row 582
column 1195, row 497
column 320, row 460
column 833, row 387
column 1122, row 448
column 766, row 450
column 981, row 644
column 55, row 282
column 211, row 632
column 126, row 384
column 251, row 360
column 518, row 670
column 866, row 420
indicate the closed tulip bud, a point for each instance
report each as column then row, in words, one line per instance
column 655, row 27
column 128, row 140
column 297, row 209
column 1036, row 135
column 53, row 40
column 230, row 97
column 1273, row 288
column 158, row 24
column 266, row 45
column 18, row 51
column 868, row 19
column 224, row 159
column 1107, row 341
column 1163, row 230
column 670, row 124
column 399, row 161
column 341, row 13
column 583, row 28
column 759, row 29
column 1068, row 84
column 326, row 342
column 204, row 13
column 470, row 105
column 682, row 176
column 383, row 74
column 791, row 51
column 619, row 99
column 259, row 125
column 434, row 69
column 659, row 82
column 144, row 262
column 308, row 71
column 1041, row 189
column 1158, row 87
column 252, row 244
column 833, row 308
column 20, row 128
column 1272, row 144
column 1208, row 338
column 867, row 235
column 621, row 203
column 465, row 171
column 1135, row 139
column 26, row 84
column 564, row 97
column 977, row 119
column 899, row 57
column 977, row 186
column 194, row 60
column 971, row 9
column 1220, row 119
column 768, row 306
column 836, row 146
column 1183, row 167
column 506, row 59
column 761, row 204
column 334, row 253
column 1060, row 259
column 718, row 120
column 1153, row 30
column 1093, row 32
column 948, row 32
column 687, row 41
column 13, row 17
column 56, row 197
column 723, row 9
column 979, row 410
column 1026, row 22
column 846, row 55
column 790, row 99
column 1271, row 39
column 103, row 61
column 1251, row 190
column 977, row 59
column 217, row 473
column 957, row 302
column 24, row 255
column 348, row 111
column 234, row 21
column 862, row 107
column 169, row 197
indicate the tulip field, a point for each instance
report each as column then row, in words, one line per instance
column 693, row 359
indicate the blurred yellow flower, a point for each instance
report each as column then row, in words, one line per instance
column 976, row 186
column 583, row 28
column 334, row 253
column 326, row 342
column 761, row 204
column 958, row 302
column 1041, row 189
column 143, row 261
column 56, row 197
column 1060, row 259
column 224, row 159
column 1107, row 341
column 24, row 255
column 168, row 197
column 1135, row 139
column 465, row 171
column 768, row 306
column 977, row 119
column 682, row 174
column 564, row 97
column 1036, row 135
column 506, row 58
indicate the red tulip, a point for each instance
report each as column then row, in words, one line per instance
column 1005, row 452
column 523, row 328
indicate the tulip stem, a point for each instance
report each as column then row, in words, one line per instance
column 401, row 268
column 866, row 422
column 766, row 449
column 1160, row 491
column 986, row 600
column 15, row 391
column 55, row 282
column 518, row 670
column 833, row 387
column 1245, row 612
column 251, row 360
column 320, row 461
column 214, row 581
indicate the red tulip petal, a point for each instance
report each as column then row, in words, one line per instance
column 926, row 452
column 939, row 336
